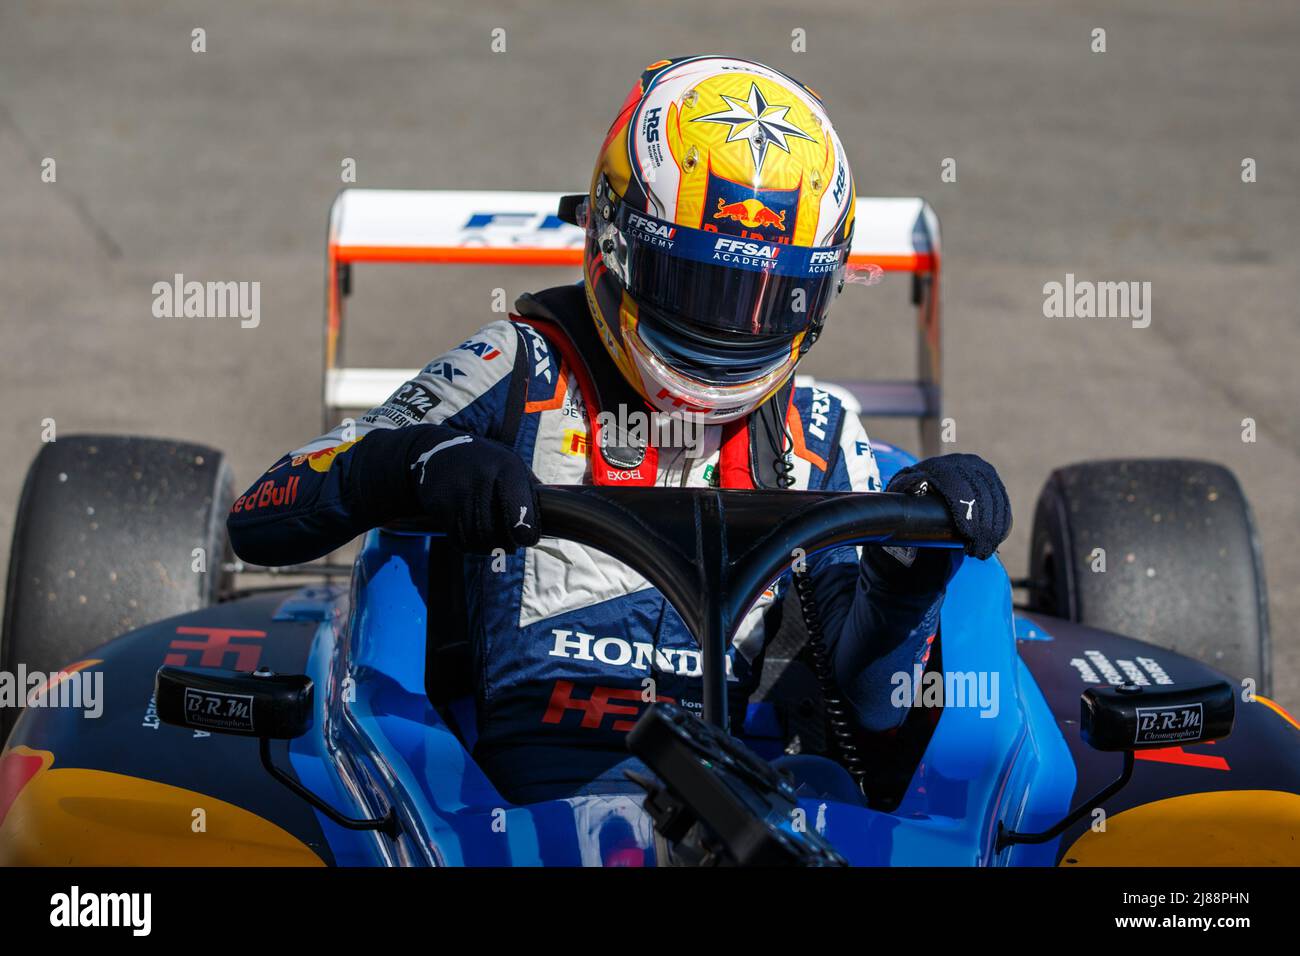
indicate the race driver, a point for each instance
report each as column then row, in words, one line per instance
column 717, row 223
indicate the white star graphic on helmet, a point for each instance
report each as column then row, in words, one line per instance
column 757, row 121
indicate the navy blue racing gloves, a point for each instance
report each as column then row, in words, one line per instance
column 477, row 490
column 980, row 510
column 974, row 493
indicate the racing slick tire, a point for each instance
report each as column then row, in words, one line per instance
column 105, row 541
column 1182, row 566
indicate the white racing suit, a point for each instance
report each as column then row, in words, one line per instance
column 565, row 638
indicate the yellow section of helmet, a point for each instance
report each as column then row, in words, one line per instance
column 709, row 120
column 707, row 133
column 613, row 163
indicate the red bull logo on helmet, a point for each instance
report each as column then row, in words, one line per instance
column 769, row 215
column 751, row 213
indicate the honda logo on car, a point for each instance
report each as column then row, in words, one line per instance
column 742, row 253
column 617, row 652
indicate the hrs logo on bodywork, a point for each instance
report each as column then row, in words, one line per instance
column 1169, row 725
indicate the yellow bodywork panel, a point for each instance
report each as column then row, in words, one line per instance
column 1219, row 828
column 76, row 817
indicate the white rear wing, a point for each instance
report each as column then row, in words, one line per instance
column 523, row 229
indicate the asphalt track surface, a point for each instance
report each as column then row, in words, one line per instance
column 221, row 165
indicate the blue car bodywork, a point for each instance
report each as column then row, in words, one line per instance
column 378, row 741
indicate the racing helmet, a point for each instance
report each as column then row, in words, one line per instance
column 717, row 227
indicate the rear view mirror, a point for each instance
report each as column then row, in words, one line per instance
column 261, row 704
column 256, row 704
column 1129, row 717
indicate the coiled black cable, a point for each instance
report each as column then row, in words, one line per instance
column 781, row 464
column 784, row 472
column 838, row 722
column 839, row 729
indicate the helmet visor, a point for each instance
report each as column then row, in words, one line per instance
column 710, row 355
column 720, row 282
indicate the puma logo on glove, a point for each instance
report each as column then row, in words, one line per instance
column 477, row 490
column 423, row 460
column 975, row 495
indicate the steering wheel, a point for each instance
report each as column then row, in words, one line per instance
column 712, row 552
